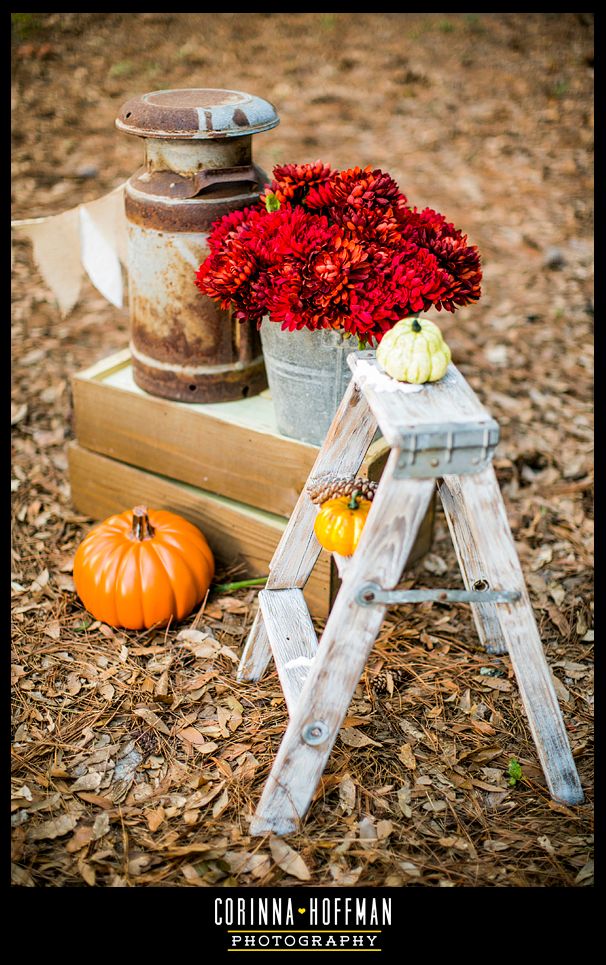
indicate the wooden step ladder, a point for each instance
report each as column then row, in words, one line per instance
column 439, row 433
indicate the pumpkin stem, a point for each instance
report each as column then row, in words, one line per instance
column 353, row 502
column 142, row 528
column 415, row 325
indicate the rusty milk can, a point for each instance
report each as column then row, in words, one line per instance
column 198, row 167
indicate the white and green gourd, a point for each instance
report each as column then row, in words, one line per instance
column 414, row 351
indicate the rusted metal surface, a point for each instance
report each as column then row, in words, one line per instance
column 196, row 113
column 189, row 157
column 183, row 346
column 171, row 216
column 228, row 181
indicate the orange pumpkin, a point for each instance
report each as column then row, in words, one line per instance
column 143, row 567
column 339, row 523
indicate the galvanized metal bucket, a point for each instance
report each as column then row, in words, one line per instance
column 308, row 375
column 198, row 167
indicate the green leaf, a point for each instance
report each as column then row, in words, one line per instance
column 272, row 203
column 515, row 772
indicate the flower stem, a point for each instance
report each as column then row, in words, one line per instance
column 228, row 587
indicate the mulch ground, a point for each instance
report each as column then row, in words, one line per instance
column 137, row 757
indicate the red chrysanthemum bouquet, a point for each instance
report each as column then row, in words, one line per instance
column 338, row 250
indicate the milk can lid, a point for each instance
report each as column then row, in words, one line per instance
column 196, row 113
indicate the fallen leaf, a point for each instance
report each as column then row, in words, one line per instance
column 407, row 757
column 546, row 844
column 494, row 683
column 544, row 555
column 288, row 860
column 18, row 412
column 73, row 684
column 152, row 719
column 404, row 797
column 161, row 688
column 53, row 829
column 138, row 863
column 201, row 643
column 585, row 874
column 82, row 837
column 230, row 654
column 88, row 782
column 23, row 792
column 87, row 872
column 495, row 845
column 353, row 737
column 53, row 630
column 343, row 876
column 367, row 831
column 347, row 794
column 155, row 818
column 562, row 692
column 39, row 583
column 435, row 564
column 384, row 829
column 193, row 736
column 22, row 877
column 220, row 804
column 558, row 619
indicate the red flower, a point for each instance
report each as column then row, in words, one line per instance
column 292, row 182
column 343, row 250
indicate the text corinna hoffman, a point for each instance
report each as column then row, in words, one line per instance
column 307, row 912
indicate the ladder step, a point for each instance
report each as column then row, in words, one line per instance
column 292, row 639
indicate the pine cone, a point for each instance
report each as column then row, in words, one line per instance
column 380, row 683
column 326, row 487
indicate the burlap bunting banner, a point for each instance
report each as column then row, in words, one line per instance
column 89, row 238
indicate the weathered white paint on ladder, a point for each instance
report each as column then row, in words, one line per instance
column 394, row 519
column 484, row 510
column 292, row 639
column 318, row 698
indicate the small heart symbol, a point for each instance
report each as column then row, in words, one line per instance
column 301, row 910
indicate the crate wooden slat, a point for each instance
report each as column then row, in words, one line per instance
column 102, row 486
column 233, row 449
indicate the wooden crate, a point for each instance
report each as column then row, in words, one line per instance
column 233, row 449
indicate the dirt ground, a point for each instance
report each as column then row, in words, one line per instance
column 137, row 757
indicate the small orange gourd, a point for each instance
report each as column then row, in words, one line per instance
column 143, row 567
column 339, row 523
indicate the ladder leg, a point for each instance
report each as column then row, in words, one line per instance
column 257, row 652
column 470, row 562
column 342, row 452
column 396, row 514
column 486, row 517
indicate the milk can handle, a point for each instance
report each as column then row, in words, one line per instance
column 205, row 180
